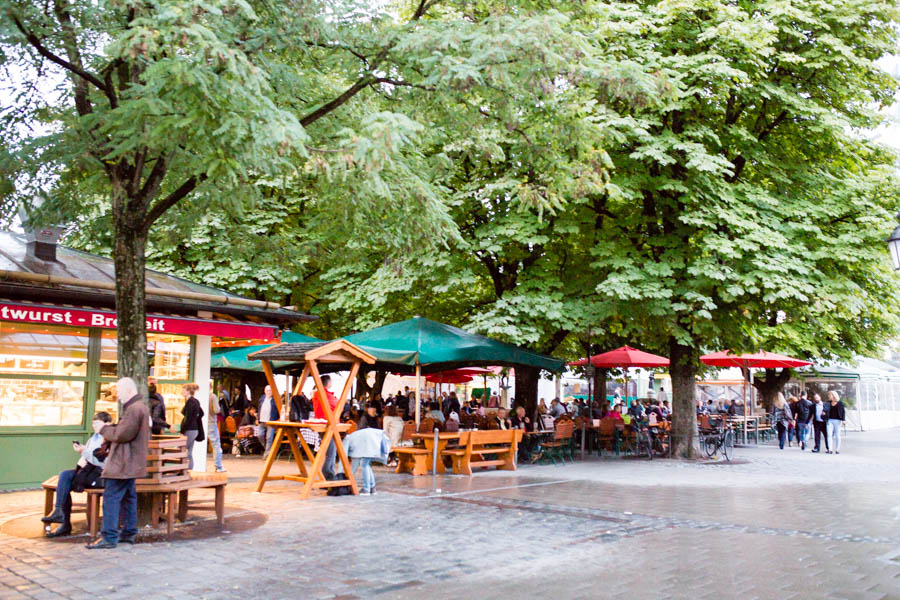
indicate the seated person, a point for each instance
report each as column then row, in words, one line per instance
column 520, row 421
column 434, row 412
column 86, row 474
column 452, row 423
column 501, row 420
column 370, row 417
column 467, row 408
column 615, row 413
column 249, row 417
column 655, row 410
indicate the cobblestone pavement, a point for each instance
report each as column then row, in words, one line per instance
column 776, row 524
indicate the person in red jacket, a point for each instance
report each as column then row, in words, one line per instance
column 328, row 467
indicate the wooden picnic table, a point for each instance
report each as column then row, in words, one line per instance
column 747, row 419
column 444, row 438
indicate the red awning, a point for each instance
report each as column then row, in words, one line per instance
column 624, row 357
column 448, row 378
column 756, row 360
column 53, row 315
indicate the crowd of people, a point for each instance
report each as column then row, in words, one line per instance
column 798, row 419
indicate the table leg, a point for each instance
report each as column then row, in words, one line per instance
column 270, row 460
column 155, row 499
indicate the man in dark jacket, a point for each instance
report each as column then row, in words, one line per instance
column 803, row 413
column 126, row 462
column 157, row 408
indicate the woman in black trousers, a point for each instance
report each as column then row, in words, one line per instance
column 192, row 423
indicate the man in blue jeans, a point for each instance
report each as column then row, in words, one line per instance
column 126, row 462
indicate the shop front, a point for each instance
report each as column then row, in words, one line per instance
column 58, row 366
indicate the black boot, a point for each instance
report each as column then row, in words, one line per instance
column 61, row 531
column 56, row 516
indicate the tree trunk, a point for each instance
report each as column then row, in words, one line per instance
column 769, row 387
column 362, row 384
column 600, row 385
column 131, row 325
column 378, row 388
column 527, row 389
column 683, row 370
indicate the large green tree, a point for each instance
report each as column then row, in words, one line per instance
column 165, row 109
column 750, row 209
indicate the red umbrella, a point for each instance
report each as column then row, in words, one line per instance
column 624, row 358
column 449, row 377
column 756, row 360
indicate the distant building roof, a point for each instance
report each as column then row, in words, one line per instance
column 14, row 256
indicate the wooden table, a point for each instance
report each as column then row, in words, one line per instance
column 444, row 438
column 290, row 431
column 747, row 420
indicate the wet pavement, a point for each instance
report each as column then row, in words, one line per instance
column 785, row 524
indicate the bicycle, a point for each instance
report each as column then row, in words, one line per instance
column 723, row 439
column 643, row 440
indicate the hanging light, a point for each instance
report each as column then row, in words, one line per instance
column 894, row 245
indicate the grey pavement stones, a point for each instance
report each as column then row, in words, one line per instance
column 774, row 527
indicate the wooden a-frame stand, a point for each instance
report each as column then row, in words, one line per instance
column 338, row 351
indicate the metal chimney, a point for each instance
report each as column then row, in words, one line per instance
column 41, row 241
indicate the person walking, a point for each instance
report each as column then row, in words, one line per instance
column 157, row 407
column 820, row 417
column 835, row 417
column 782, row 418
column 212, row 428
column 803, row 415
column 792, row 426
column 192, row 421
column 364, row 446
column 267, row 412
column 127, row 461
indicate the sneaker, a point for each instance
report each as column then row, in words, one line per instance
column 221, row 470
column 789, row 444
column 372, row 491
column 364, row 492
column 828, row 452
column 836, row 452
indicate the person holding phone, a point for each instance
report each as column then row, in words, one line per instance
column 86, row 474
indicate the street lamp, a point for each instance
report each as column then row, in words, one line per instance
column 894, row 245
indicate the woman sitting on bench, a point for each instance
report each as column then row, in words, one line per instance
column 86, row 474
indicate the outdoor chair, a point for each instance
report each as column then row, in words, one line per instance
column 607, row 436
column 561, row 446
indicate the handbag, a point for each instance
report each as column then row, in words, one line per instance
column 86, row 478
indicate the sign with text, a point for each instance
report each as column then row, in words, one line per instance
column 50, row 315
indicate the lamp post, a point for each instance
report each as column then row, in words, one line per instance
column 894, row 245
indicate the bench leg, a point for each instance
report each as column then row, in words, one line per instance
column 419, row 466
column 220, row 504
column 170, row 513
column 510, row 461
column 93, row 514
column 182, row 505
column 49, row 505
column 155, row 500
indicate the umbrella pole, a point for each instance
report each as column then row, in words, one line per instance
column 418, row 391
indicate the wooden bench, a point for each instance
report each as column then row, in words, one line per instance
column 479, row 444
column 411, row 459
column 169, row 499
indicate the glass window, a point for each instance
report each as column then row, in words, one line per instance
column 171, row 393
column 42, row 372
column 168, row 356
column 32, row 349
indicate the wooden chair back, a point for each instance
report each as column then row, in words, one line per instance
column 564, row 429
column 426, row 425
column 607, row 426
column 409, row 428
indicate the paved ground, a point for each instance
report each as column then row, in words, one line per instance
column 780, row 524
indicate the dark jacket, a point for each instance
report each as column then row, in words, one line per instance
column 300, row 408
column 248, row 420
column 193, row 418
column 366, row 421
column 128, row 449
column 158, row 413
column 836, row 411
column 803, row 411
column 518, row 423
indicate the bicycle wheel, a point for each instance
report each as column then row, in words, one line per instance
column 728, row 445
column 710, row 444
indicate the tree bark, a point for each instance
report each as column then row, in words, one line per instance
column 527, row 389
column 378, row 388
column 683, row 370
column 131, row 324
column 362, row 384
column 600, row 385
column 769, row 387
